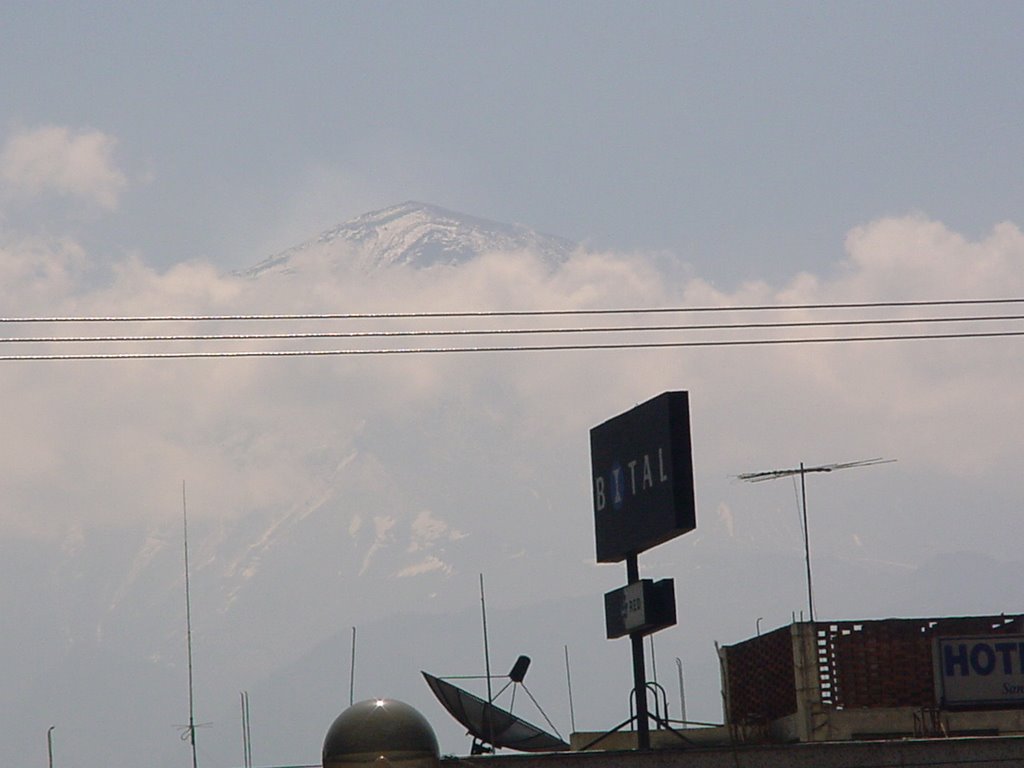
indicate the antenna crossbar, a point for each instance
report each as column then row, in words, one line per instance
column 775, row 474
column 802, row 471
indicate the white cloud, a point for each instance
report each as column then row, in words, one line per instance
column 39, row 272
column 497, row 440
column 892, row 258
column 54, row 159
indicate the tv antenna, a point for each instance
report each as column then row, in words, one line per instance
column 775, row 474
column 188, row 731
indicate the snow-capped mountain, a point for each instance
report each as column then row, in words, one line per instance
column 417, row 235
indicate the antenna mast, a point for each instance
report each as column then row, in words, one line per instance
column 246, row 731
column 775, row 474
column 352, row 672
column 191, row 728
column 487, row 656
column 488, row 724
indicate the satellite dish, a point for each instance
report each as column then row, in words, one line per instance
column 490, row 725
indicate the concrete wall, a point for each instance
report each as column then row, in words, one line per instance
column 995, row 752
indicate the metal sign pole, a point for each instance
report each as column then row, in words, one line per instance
column 642, row 473
column 636, row 639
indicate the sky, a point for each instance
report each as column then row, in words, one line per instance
column 744, row 138
column 702, row 154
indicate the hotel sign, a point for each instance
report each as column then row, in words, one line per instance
column 642, row 469
column 979, row 671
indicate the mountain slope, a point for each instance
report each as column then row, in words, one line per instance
column 417, row 235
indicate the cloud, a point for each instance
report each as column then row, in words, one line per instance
column 55, row 160
column 38, row 272
column 497, row 440
column 890, row 257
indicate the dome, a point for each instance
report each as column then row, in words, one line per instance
column 381, row 731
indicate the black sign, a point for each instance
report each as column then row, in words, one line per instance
column 642, row 477
column 642, row 608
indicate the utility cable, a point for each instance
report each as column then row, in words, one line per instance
column 514, row 348
column 511, row 313
column 507, row 331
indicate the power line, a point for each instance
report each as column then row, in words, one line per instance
column 510, row 313
column 637, row 328
column 508, row 331
column 509, row 348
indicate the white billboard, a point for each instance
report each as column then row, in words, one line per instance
column 979, row 671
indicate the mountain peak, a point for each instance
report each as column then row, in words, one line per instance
column 419, row 235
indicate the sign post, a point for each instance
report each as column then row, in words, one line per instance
column 642, row 472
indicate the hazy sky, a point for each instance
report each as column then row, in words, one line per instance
column 704, row 154
column 745, row 138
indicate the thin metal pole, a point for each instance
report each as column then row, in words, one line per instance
column 352, row 672
column 568, row 683
column 245, row 748
column 246, row 733
column 188, row 632
column 248, row 727
column 654, row 659
column 487, row 656
column 807, row 545
column 488, row 725
column 49, row 743
column 643, row 733
column 682, row 694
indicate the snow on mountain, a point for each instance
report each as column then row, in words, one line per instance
column 418, row 235
column 344, row 527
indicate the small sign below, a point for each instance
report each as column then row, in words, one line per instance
column 642, row 607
